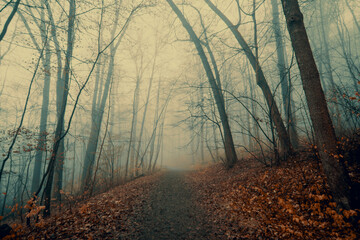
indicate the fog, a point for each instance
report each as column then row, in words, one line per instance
column 135, row 96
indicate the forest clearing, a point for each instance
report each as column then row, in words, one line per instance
column 179, row 119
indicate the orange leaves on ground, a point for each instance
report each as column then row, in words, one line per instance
column 286, row 202
column 349, row 213
column 102, row 217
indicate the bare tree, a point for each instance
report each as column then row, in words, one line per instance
column 145, row 112
column 260, row 80
column 97, row 115
column 59, row 132
column 46, row 62
column 130, row 159
column 230, row 152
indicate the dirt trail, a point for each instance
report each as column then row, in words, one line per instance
column 171, row 212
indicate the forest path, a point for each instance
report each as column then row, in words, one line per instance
column 171, row 212
column 163, row 205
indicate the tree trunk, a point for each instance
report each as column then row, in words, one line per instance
column 144, row 116
column 129, row 159
column 347, row 55
column 285, row 88
column 159, row 147
column 260, row 80
column 98, row 111
column 95, row 129
column 325, row 55
column 60, row 124
column 337, row 177
column 230, row 152
column 155, row 123
column 7, row 188
column 41, row 146
column 59, row 170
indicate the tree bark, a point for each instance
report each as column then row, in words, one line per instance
column 337, row 177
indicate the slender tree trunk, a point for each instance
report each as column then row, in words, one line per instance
column 230, row 152
column 99, row 110
column 347, row 57
column 285, row 88
column 217, row 155
column 92, row 184
column 43, row 124
column 275, row 145
column 60, row 86
column 203, row 121
column 337, row 177
column 59, row 170
column 327, row 61
column 218, row 82
column 144, row 116
column 160, row 116
column 160, row 143
column 353, row 15
column 326, row 52
column 261, row 81
column 60, row 124
column 73, row 167
column 255, row 125
column 95, row 130
column 41, row 146
column 129, row 165
column 155, row 123
column 7, row 188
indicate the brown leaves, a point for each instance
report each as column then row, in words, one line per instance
column 289, row 201
column 101, row 217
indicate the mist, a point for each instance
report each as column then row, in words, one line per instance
column 94, row 94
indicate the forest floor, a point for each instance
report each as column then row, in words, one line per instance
column 161, row 206
column 250, row 201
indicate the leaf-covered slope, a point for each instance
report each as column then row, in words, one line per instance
column 105, row 216
column 286, row 202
